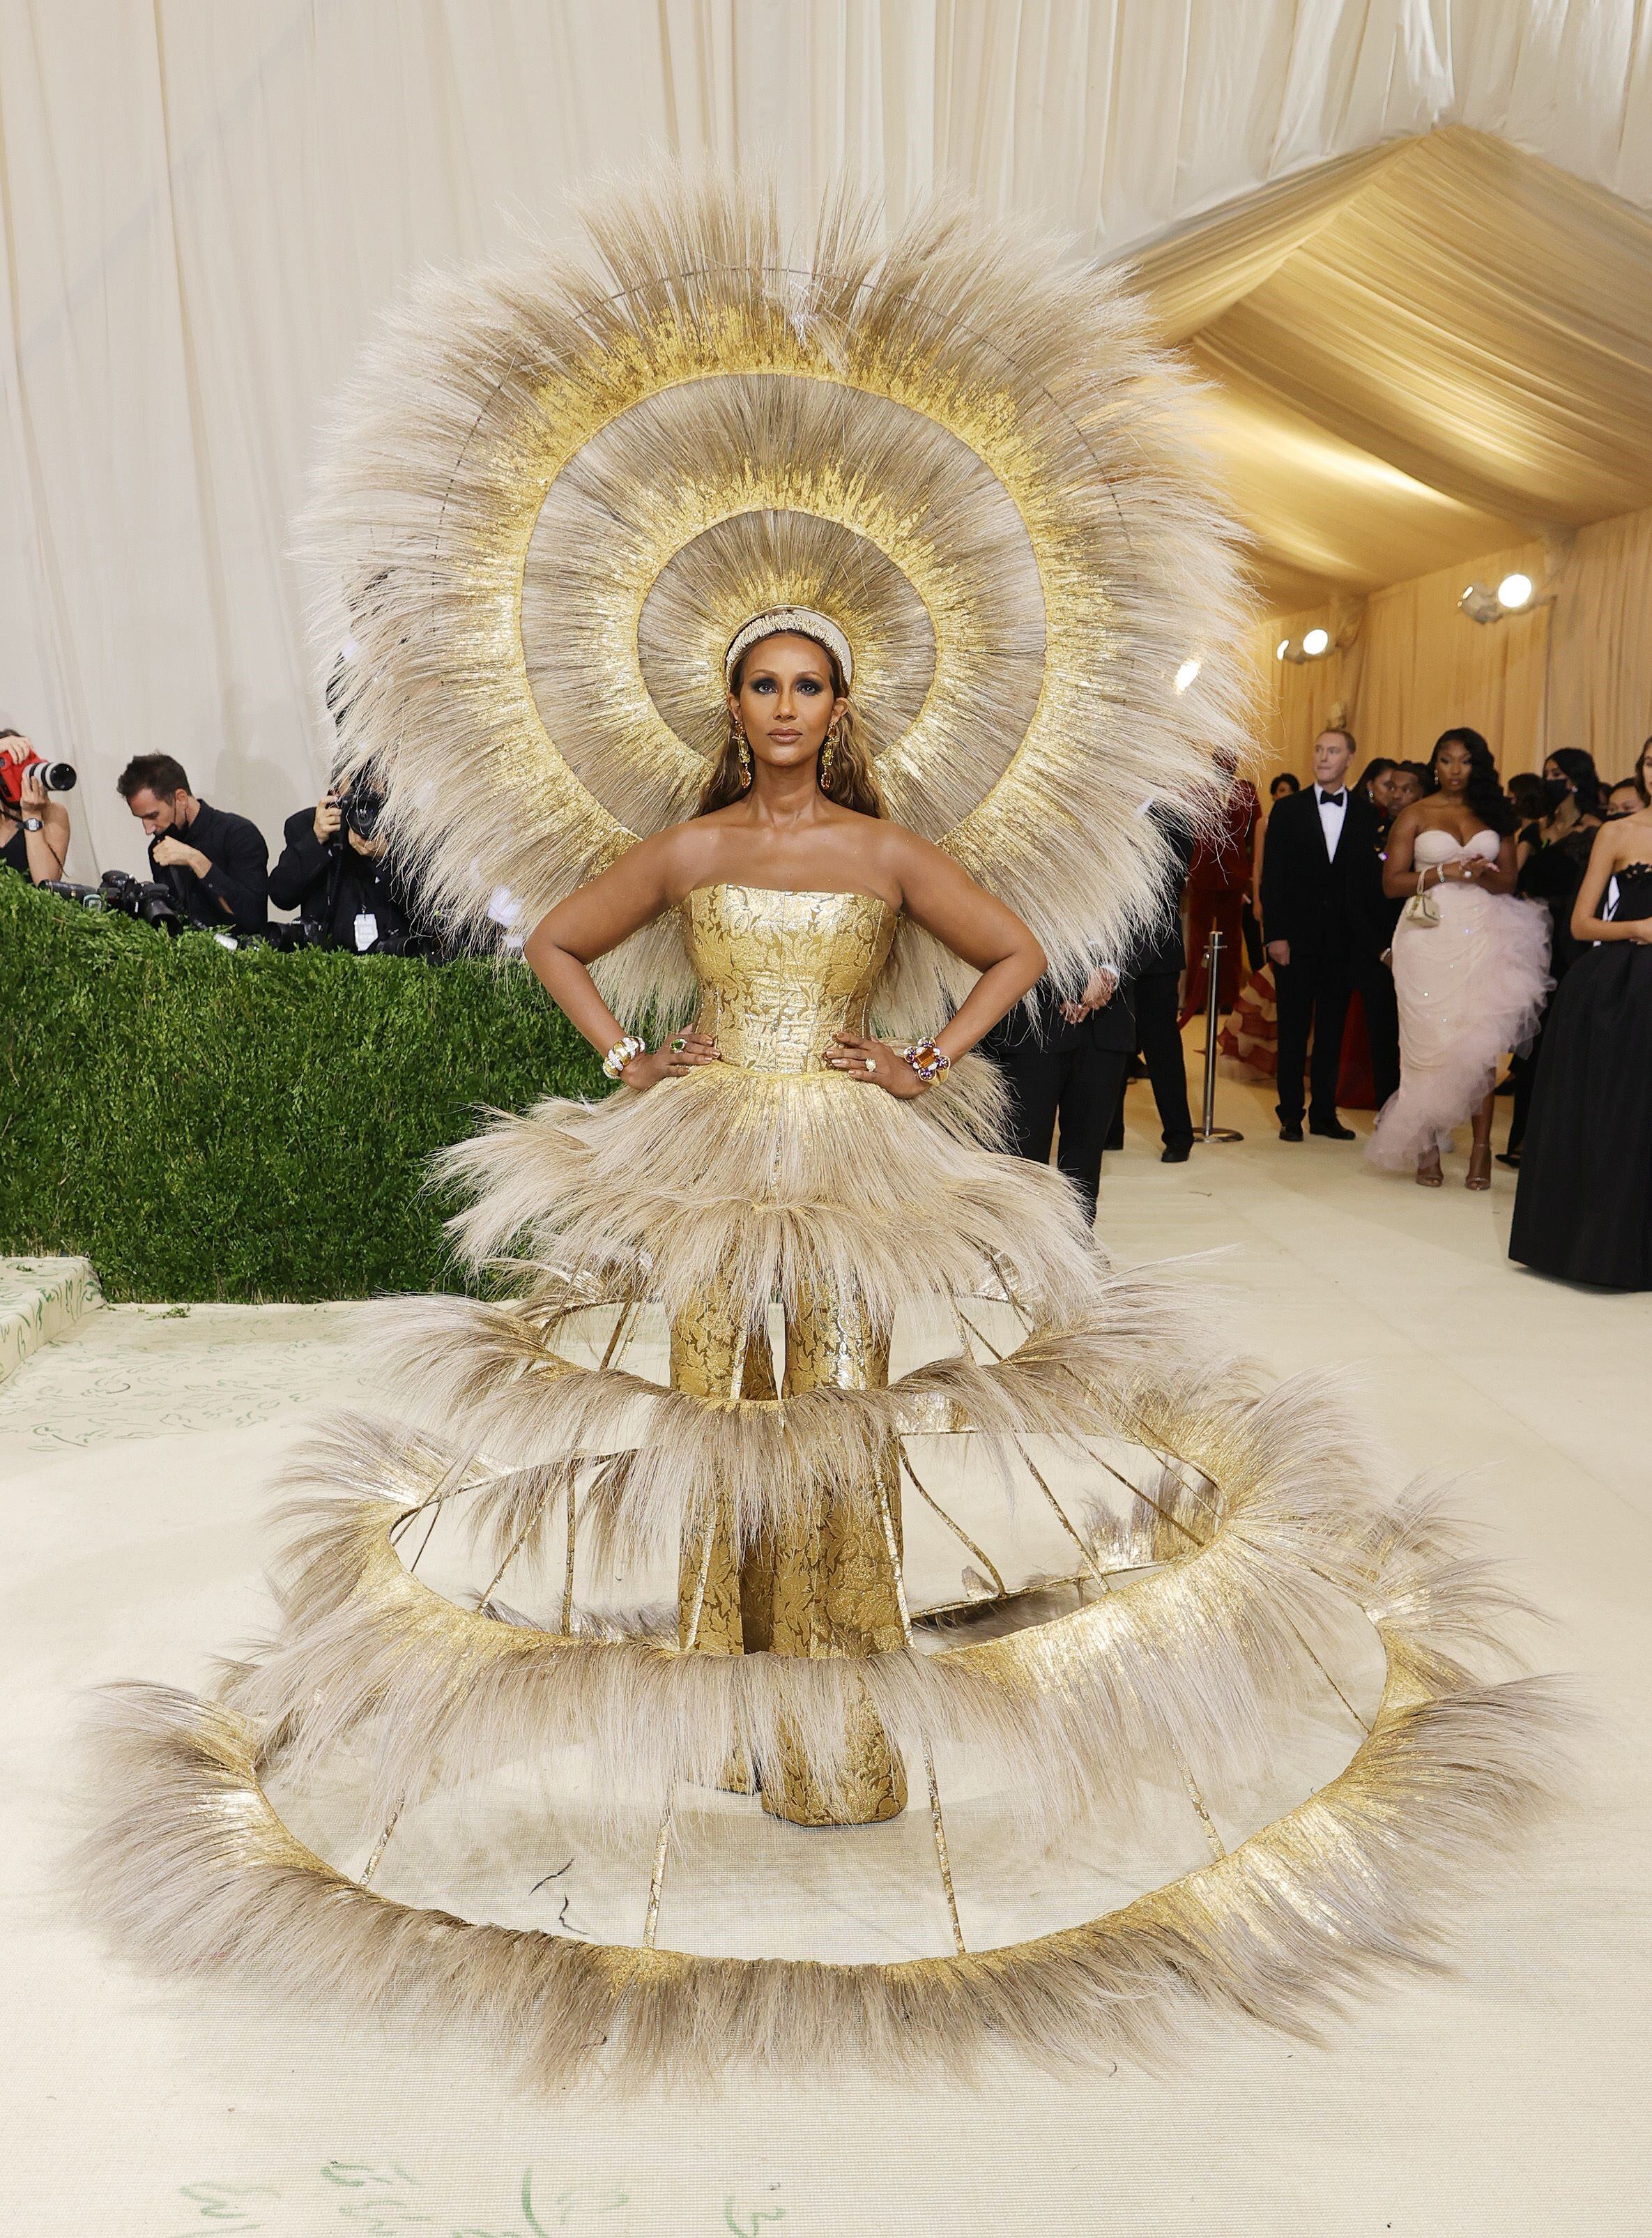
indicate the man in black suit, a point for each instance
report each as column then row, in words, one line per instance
column 215, row 862
column 1327, row 924
column 1153, row 985
column 1067, row 1059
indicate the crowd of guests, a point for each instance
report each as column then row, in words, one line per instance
column 210, row 867
column 1409, row 929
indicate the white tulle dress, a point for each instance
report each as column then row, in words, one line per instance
column 1468, row 989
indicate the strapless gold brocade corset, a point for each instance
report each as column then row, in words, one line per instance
column 781, row 973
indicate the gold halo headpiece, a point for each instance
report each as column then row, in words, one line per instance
column 571, row 483
column 791, row 621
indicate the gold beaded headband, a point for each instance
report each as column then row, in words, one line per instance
column 799, row 621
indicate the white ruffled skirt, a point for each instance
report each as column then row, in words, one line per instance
column 1468, row 989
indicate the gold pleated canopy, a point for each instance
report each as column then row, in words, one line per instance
column 557, row 490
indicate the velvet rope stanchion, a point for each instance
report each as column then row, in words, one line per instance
column 1210, row 1132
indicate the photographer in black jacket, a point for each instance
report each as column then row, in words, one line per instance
column 216, row 865
column 332, row 870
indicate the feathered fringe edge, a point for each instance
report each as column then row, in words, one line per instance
column 489, row 1377
column 196, row 1873
column 1186, row 1662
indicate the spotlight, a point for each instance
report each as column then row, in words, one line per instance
column 1516, row 594
column 1314, row 644
column 1185, row 675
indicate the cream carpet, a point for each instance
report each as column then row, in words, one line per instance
column 136, row 1455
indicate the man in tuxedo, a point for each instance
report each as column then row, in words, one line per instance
column 1326, row 925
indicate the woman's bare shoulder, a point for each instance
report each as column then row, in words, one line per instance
column 682, row 852
column 897, row 844
column 1624, row 840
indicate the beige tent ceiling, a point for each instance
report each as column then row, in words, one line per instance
column 1418, row 354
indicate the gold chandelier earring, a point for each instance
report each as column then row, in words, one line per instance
column 744, row 750
column 828, row 755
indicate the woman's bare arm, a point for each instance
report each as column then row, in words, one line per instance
column 1612, row 847
column 938, row 894
column 646, row 880
column 1503, row 876
column 1399, row 873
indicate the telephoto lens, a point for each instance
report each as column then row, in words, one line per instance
column 360, row 812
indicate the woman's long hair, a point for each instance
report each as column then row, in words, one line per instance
column 1579, row 767
column 852, row 783
column 1485, row 794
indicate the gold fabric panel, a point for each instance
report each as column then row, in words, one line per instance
column 780, row 973
column 823, row 1587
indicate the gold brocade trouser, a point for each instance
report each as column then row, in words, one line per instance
column 821, row 1586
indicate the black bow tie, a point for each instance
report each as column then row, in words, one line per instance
column 1333, row 799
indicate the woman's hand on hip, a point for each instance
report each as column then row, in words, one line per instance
column 875, row 1062
column 678, row 1055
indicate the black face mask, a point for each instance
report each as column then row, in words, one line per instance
column 1554, row 791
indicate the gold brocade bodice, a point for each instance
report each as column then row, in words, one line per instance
column 781, row 972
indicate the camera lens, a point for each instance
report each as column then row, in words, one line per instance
column 361, row 813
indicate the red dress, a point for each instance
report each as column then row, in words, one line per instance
column 1219, row 877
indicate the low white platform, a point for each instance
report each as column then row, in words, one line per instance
column 41, row 1299
column 137, row 1460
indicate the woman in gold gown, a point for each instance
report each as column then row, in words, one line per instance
column 788, row 886
column 694, row 513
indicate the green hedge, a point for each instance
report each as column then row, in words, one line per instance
column 209, row 1124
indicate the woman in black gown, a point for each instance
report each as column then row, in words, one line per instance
column 1584, row 1209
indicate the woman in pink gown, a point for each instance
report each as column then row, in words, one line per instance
column 1470, row 970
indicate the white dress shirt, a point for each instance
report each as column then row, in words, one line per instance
column 1331, row 813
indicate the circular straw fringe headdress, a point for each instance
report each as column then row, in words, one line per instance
column 560, row 487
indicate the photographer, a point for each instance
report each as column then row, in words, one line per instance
column 35, row 825
column 333, row 871
column 214, row 863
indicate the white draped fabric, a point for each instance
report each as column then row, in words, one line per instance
column 204, row 205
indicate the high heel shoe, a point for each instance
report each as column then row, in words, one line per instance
column 1430, row 1176
column 1479, row 1174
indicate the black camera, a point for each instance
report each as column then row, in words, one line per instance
column 359, row 809
column 140, row 898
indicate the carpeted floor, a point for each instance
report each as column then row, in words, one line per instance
column 136, row 1457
